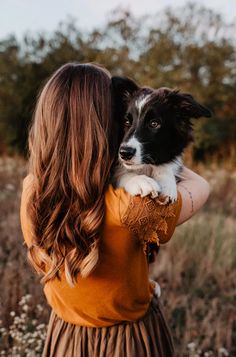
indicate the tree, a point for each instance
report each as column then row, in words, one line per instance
column 190, row 48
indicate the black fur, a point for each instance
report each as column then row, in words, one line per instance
column 170, row 108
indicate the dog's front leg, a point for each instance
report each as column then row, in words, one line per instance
column 139, row 184
column 164, row 175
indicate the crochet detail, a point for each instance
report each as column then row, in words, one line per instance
column 146, row 219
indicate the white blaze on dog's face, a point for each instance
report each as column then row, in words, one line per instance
column 141, row 101
column 131, row 152
column 131, row 149
column 141, row 127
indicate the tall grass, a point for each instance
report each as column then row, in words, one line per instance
column 196, row 271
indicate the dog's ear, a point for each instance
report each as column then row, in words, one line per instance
column 188, row 106
column 123, row 87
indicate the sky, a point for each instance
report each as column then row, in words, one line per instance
column 21, row 16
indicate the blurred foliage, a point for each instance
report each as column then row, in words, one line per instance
column 189, row 48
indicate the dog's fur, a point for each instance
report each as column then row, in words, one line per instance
column 156, row 130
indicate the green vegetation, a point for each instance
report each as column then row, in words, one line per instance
column 189, row 48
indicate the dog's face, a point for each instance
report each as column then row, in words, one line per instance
column 156, row 123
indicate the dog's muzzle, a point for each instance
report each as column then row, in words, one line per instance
column 127, row 152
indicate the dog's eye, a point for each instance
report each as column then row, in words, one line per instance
column 127, row 123
column 128, row 120
column 154, row 124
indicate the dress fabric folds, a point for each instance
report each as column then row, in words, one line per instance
column 148, row 337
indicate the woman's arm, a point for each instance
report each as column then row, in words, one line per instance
column 194, row 191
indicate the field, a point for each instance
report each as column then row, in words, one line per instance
column 196, row 271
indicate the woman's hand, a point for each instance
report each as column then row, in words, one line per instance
column 194, row 191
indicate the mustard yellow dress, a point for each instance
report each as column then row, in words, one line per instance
column 114, row 311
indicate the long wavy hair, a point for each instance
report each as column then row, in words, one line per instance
column 71, row 151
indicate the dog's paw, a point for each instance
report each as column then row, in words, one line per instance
column 169, row 190
column 156, row 288
column 142, row 185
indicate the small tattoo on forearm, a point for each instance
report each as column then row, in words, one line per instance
column 190, row 195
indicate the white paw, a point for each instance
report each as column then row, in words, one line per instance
column 157, row 288
column 169, row 189
column 142, row 185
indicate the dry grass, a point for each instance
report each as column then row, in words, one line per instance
column 195, row 271
column 16, row 277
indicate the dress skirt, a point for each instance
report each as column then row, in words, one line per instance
column 148, row 337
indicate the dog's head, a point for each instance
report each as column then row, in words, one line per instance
column 156, row 122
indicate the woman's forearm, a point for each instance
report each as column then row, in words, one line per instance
column 194, row 190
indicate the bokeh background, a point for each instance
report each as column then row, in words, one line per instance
column 190, row 46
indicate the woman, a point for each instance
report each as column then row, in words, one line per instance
column 85, row 237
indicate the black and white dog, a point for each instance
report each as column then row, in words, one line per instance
column 156, row 130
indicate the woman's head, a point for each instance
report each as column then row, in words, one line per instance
column 71, row 153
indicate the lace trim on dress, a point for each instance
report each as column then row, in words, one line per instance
column 146, row 219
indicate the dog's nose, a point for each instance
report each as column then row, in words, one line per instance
column 127, row 152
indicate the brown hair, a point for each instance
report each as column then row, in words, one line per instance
column 71, row 153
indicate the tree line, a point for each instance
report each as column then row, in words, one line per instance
column 190, row 48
